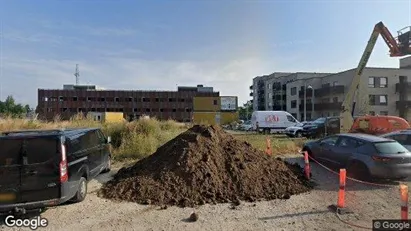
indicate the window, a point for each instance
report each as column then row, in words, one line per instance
column 161, row 110
column 290, row 119
column 335, row 100
column 347, row 142
column 403, row 139
column 371, row 81
column 146, row 100
column 378, row 82
column 269, row 86
column 335, row 114
column 40, row 150
column 130, row 99
column 75, row 98
column 215, row 102
column 372, row 113
column 378, row 99
column 174, row 110
column 390, row 148
column 116, row 99
column 293, row 103
column 172, row 100
column 294, row 91
column 334, row 123
column 294, row 115
column 384, row 113
column 157, row 100
column 383, row 82
column 135, row 109
column 383, row 99
column 148, row 110
column 329, row 140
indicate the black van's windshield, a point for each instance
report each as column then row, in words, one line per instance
column 38, row 150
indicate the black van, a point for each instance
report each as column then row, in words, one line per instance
column 42, row 168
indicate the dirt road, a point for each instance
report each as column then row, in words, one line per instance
column 302, row 212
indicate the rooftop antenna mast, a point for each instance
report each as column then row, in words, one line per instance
column 77, row 74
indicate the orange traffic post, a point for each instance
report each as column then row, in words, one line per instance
column 268, row 149
column 341, row 191
column 306, row 166
column 404, row 201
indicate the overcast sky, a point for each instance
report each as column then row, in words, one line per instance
column 158, row 45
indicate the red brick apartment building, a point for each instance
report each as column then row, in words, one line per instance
column 72, row 99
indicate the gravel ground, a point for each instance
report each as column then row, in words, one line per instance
column 307, row 211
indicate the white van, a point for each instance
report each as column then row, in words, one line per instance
column 272, row 121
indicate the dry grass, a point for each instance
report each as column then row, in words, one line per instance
column 280, row 145
column 138, row 139
column 133, row 140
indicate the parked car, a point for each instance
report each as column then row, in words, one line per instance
column 321, row 127
column 272, row 121
column 403, row 137
column 42, row 168
column 246, row 126
column 296, row 131
column 364, row 156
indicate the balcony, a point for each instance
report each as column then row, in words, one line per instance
column 309, row 93
column 309, row 107
column 324, row 91
column 403, row 104
column 251, row 87
column 327, row 106
column 402, row 87
column 251, row 94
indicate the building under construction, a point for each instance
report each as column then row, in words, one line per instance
column 73, row 99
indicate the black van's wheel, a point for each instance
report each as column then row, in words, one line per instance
column 81, row 191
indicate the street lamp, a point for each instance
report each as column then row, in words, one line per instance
column 305, row 99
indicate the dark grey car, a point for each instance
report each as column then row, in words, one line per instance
column 363, row 156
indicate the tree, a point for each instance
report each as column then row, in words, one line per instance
column 10, row 108
column 245, row 111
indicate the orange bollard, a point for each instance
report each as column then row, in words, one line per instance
column 404, row 201
column 306, row 165
column 341, row 191
column 268, row 149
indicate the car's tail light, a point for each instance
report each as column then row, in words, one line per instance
column 381, row 159
column 63, row 165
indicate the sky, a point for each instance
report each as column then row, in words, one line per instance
column 159, row 45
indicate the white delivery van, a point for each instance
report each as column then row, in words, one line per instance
column 272, row 121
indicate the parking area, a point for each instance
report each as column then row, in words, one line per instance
column 307, row 211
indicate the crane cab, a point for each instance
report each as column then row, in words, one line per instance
column 404, row 40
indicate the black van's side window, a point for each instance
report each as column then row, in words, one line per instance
column 101, row 136
column 92, row 139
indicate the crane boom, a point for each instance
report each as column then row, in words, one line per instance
column 396, row 50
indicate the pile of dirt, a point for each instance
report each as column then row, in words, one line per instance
column 205, row 165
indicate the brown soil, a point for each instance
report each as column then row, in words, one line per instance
column 205, row 165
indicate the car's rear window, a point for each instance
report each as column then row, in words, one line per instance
column 37, row 150
column 391, row 147
column 10, row 152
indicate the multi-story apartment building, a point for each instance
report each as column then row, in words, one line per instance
column 269, row 92
column 72, row 99
column 386, row 91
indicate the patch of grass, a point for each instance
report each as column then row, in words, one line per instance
column 129, row 140
column 280, row 145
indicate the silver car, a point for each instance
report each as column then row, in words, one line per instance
column 403, row 137
column 364, row 156
column 295, row 131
